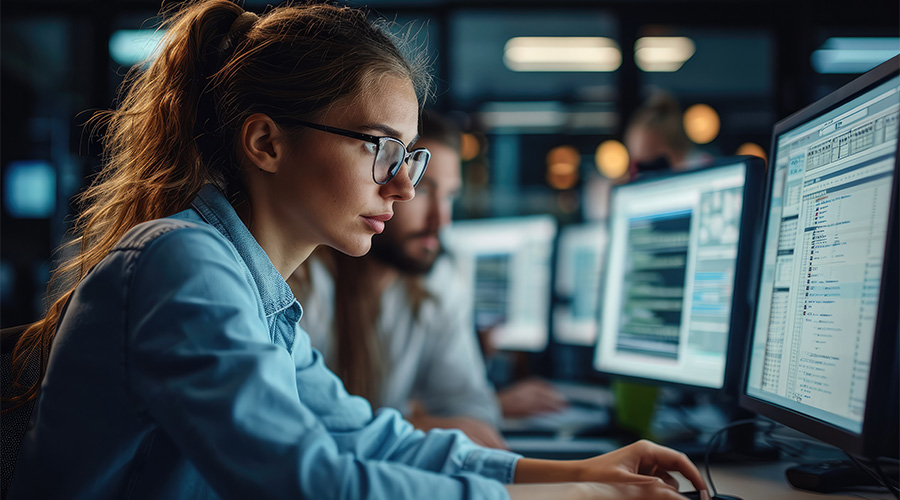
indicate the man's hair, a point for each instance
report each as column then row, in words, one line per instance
column 439, row 129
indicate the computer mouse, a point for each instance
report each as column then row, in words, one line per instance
column 695, row 495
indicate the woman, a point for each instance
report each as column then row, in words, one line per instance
column 177, row 368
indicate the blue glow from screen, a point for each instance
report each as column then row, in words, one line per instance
column 129, row 47
column 853, row 55
column 29, row 189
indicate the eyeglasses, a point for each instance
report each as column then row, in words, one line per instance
column 390, row 153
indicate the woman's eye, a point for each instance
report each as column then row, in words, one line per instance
column 371, row 147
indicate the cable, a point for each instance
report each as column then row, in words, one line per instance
column 895, row 490
column 798, row 453
column 781, row 443
column 878, row 474
column 710, row 446
column 867, row 470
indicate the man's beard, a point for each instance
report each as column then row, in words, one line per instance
column 391, row 252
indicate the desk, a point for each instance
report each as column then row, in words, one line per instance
column 766, row 481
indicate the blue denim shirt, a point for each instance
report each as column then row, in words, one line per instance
column 179, row 372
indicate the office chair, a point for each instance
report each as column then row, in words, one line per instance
column 15, row 422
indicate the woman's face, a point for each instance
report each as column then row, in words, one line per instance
column 324, row 193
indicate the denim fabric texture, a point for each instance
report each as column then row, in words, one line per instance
column 179, row 371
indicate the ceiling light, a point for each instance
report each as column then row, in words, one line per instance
column 662, row 53
column 562, row 54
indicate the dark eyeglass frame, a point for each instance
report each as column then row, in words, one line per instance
column 378, row 141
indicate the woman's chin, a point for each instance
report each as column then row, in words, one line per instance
column 355, row 248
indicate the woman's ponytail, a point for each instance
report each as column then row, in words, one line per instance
column 152, row 162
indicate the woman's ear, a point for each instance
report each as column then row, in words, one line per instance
column 262, row 142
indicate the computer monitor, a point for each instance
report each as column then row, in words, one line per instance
column 580, row 252
column 673, row 303
column 507, row 263
column 824, row 331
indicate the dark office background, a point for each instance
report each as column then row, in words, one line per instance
column 752, row 63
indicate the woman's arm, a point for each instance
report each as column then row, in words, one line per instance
column 479, row 432
column 639, row 462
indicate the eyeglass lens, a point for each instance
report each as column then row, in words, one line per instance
column 390, row 156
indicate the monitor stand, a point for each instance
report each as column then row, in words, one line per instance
column 832, row 475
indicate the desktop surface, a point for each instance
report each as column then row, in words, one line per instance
column 766, row 481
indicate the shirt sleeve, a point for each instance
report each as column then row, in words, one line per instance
column 202, row 364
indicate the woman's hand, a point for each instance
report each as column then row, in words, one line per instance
column 639, row 463
column 650, row 490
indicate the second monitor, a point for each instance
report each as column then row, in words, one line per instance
column 678, row 248
column 507, row 264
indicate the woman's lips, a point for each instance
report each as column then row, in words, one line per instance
column 376, row 222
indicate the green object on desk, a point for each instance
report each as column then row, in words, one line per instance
column 635, row 405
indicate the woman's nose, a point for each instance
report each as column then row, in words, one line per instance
column 400, row 188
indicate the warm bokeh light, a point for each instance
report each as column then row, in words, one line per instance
column 470, row 147
column 752, row 149
column 612, row 159
column 701, row 123
column 562, row 175
column 566, row 155
column 562, row 167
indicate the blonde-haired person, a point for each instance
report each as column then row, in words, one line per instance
column 656, row 139
column 177, row 369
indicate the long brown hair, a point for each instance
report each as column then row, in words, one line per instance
column 178, row 119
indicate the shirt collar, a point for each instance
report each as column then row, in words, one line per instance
column 215, row 209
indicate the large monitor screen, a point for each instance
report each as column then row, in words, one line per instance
column 579, row 262
column 668, row 286
column 823, row 258
column 507, row 263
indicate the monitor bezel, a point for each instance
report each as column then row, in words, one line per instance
column 870, row 442
column 754, row 184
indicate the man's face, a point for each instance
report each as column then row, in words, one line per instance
column 410, row 242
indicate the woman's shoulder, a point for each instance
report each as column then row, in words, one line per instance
column 179, row 242
column 144, row 234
